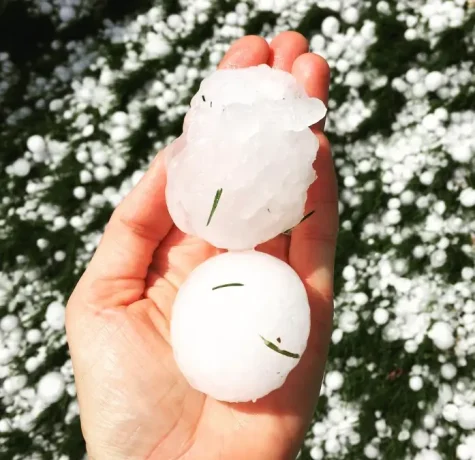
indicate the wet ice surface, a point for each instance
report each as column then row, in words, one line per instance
column 246, row 149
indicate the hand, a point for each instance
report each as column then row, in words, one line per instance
column 134, row 402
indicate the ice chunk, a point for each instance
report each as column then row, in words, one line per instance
column 246, row 138
column 240, row 324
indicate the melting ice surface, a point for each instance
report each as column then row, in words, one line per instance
column 239, row 173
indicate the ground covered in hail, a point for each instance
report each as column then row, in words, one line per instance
column 90, row 89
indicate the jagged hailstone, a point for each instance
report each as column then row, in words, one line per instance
column 240, row 324
column 239, row 174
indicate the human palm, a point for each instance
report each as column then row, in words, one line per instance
column 134, row 401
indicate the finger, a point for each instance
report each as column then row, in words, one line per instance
column 313, row 242
column 285, row 48
column 313, row 72
column 133, row 233
column 247, row 51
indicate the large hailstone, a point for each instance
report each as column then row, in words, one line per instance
column 239, row 174
column 240, row 324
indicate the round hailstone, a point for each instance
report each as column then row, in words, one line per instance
column 316, row 453
column 371, row 451
column 51, row 387
column 466, row 417
column 156, row 46
column 416, row 383
column 427, row 454
column 461, row 153
column 442, row 335
column 21, row 167
column 55, row 316
column 36, row 144
column 350, row 15
column 240, row 324
column 239, row 174
column 420, row 439
column 33, row 336
column 464, row 452
column 434, row 80
column 334, row 380
column 467, row 197
column 330, row 26
column 79, row 192
column 380, row 316
column 67, row 13
column 8, row 323
column 14, row 384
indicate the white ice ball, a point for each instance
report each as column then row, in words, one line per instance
column 434, row 80
column 350, row 15
column 467, row 197
column 21, row 167
column 416, row 383
column 51, row 387
column 240, row 324
column 156, row 46
column 371, row 451
column 420, row 439
column 442, row 335
column 55, row 316
column 33, row 336
column 466, row 417
column 334, row 380
column 448, row 371
column 330, row 26
column 380, row 316
column 239, row 174
column 8, row 323
column 461, row 152
column 36, row 144
column 67, row 13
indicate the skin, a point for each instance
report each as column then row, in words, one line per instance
column 134, row 402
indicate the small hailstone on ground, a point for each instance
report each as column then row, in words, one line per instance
column 51, row 387
column 434, row 80
column 239, row 174
column 36, row 144
column 330, row 26
column 467, row 197
column 33, row 336
column 420, row 439
column 240, row 324
column 55, row 316
column 371, row 451
column 79, row 192
column 14, row 383
column 21, row 167
column 438, row 258
column 59, row 256
column 380, row 316
column 466, row 417
column 441, row 334
column 8, row 323
column 334, row 380
column 416, row 383
column 67, row 13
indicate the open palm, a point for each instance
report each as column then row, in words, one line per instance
column 134, row 402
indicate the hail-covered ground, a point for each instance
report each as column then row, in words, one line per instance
column 90, row 90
